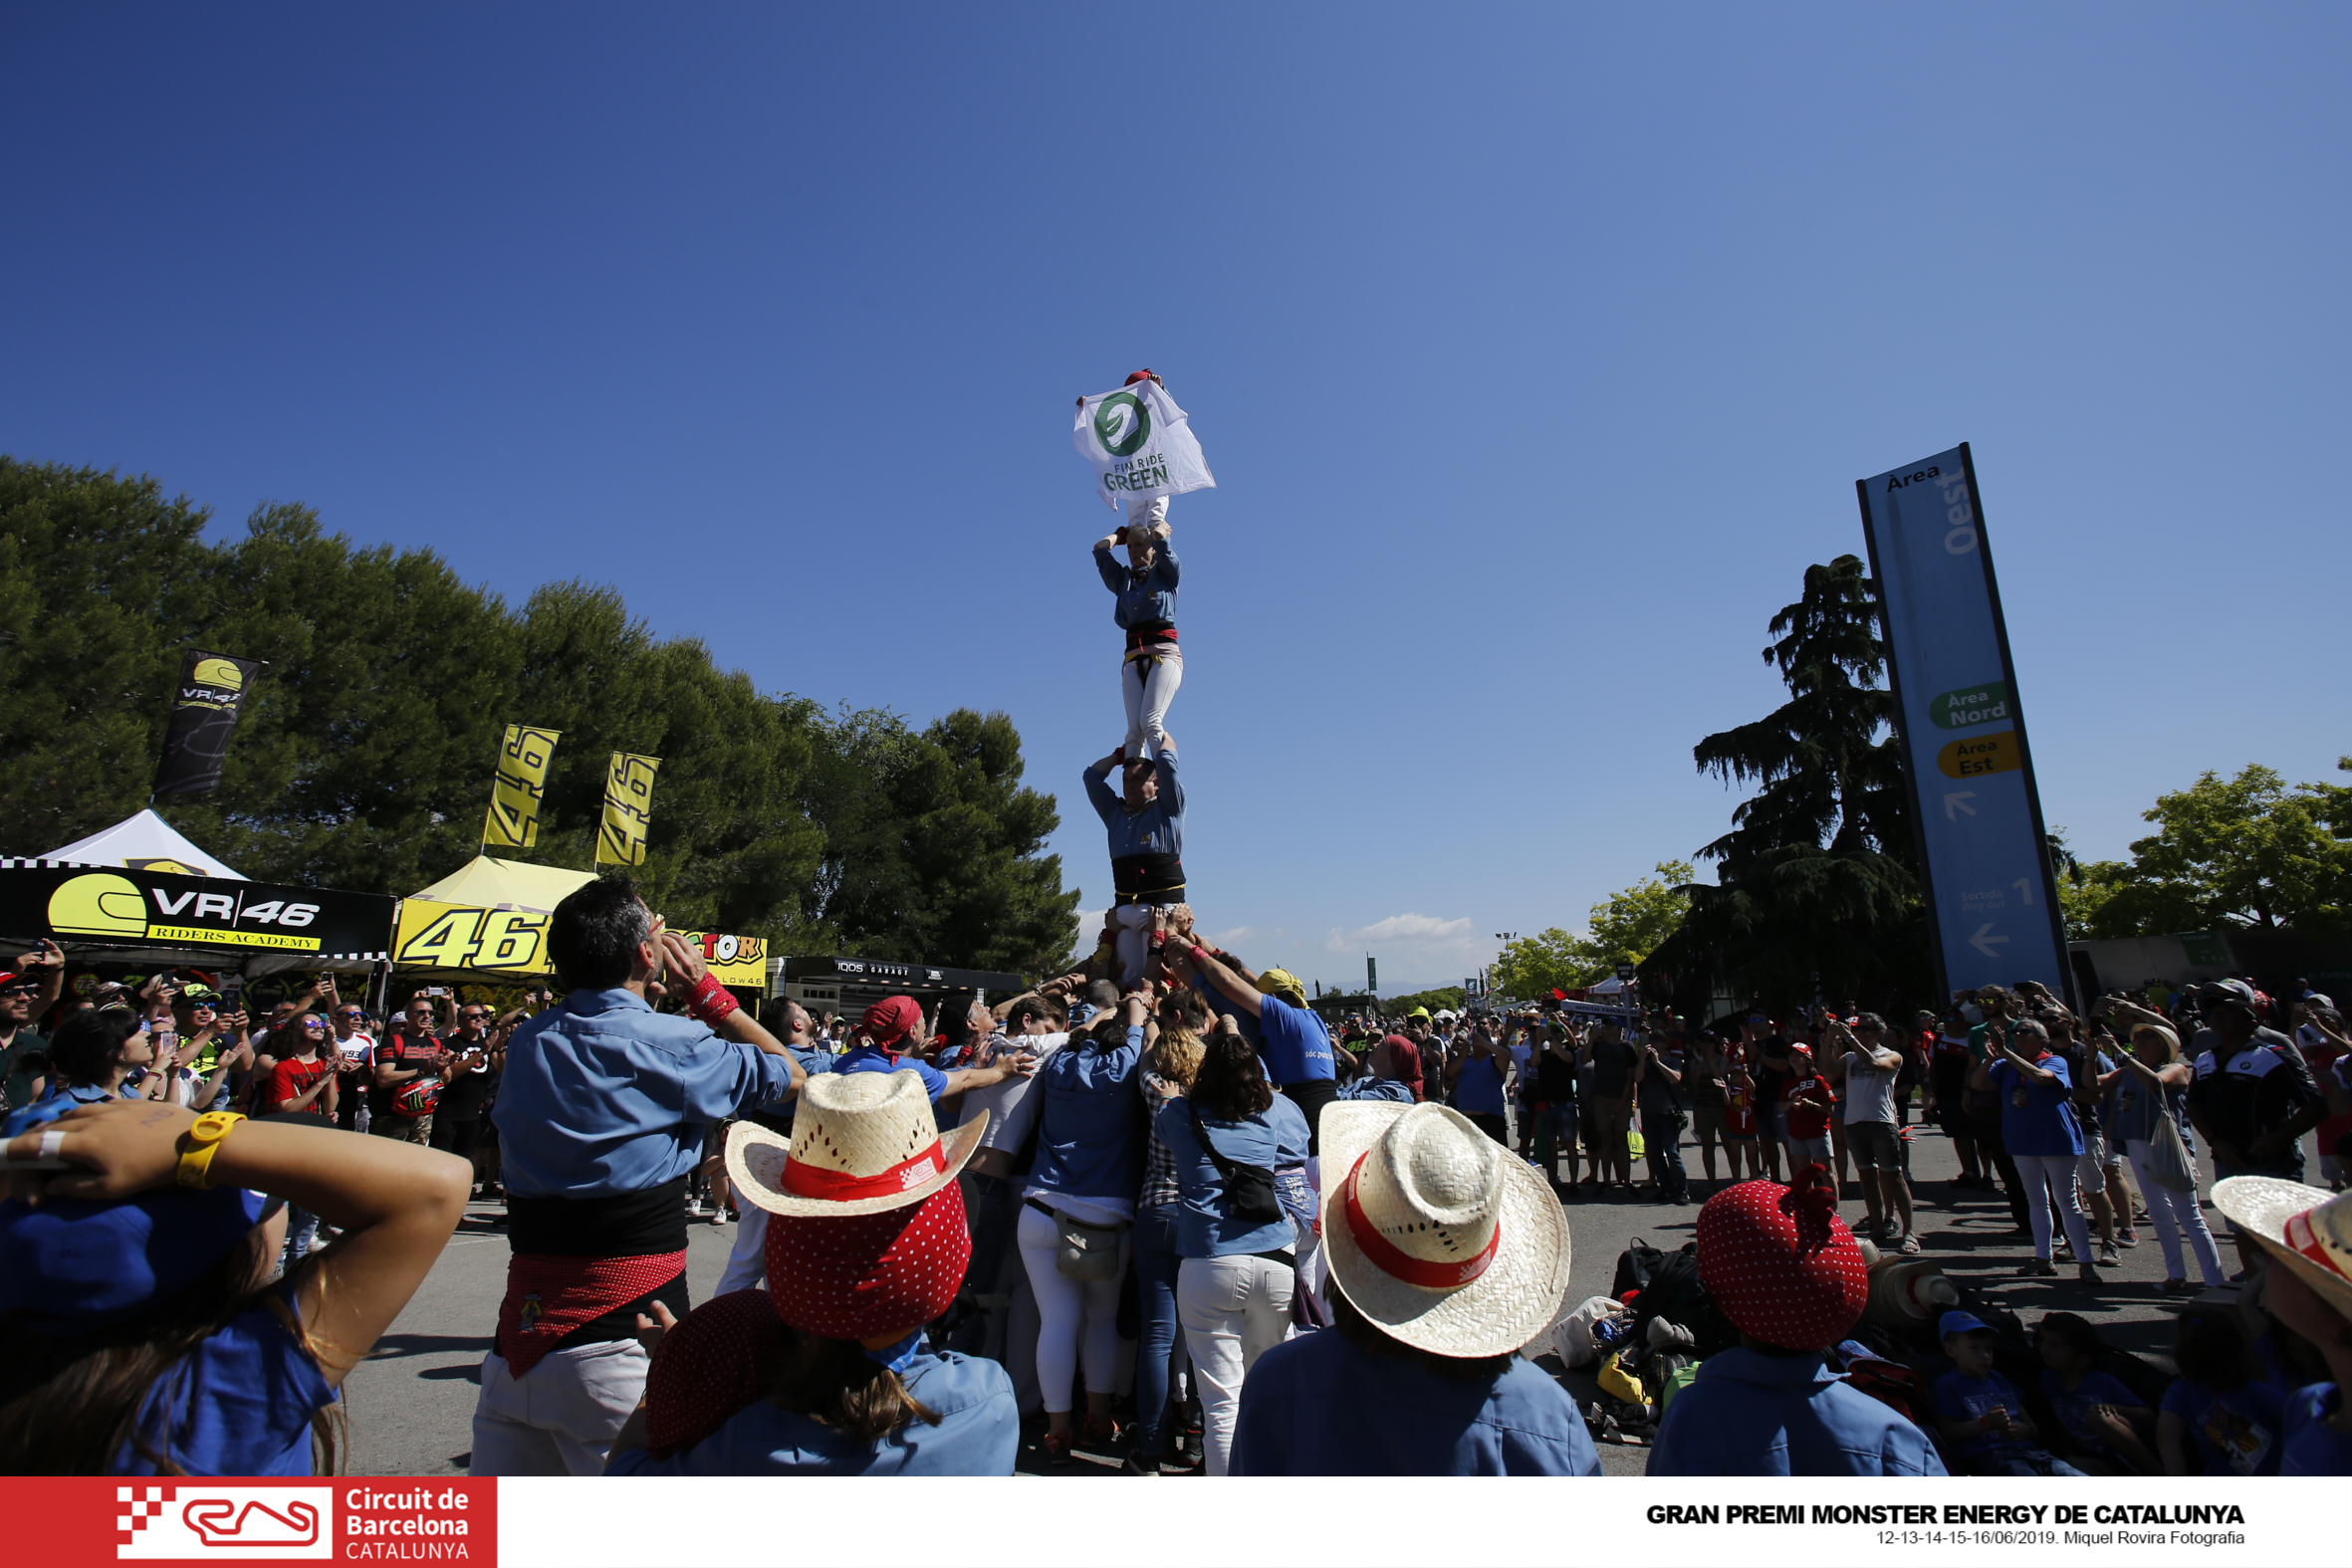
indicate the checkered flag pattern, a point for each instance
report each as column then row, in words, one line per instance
column 139, row 1505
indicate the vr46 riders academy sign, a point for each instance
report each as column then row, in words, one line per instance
column 126, row 908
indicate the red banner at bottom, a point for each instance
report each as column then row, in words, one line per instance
column 72, row 1521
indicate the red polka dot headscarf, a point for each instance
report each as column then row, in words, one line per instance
column 865, row 1274
column 1781, row 1263
column 714, row 1363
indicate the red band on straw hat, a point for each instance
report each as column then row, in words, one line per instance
column 2298, row 1233
column 1382, row 1254
column 811, row 1181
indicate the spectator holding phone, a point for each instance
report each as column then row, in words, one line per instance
column 26, row 993
column 408, row 1065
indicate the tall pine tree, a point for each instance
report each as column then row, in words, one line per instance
column 1817, row 883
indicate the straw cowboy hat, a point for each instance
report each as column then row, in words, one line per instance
column 862, row 1143
column 1435, row 1234
column 2305, row 1227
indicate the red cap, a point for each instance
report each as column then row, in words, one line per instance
column 1143, row 374
column 1781, row 1263
column 865, row 1274
column 888, row 1020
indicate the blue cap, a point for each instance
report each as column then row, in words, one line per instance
column 71, row 1266
column 1952, row 1323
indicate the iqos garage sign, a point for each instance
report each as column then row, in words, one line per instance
column 1983, row 861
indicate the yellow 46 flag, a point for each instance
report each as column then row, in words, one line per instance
column 521, row 786
column 628, row 807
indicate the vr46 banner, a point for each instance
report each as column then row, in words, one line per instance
column 1141, row 445
column 515, row 795
column 203, row 716
column 434, row 935
column 628, row 809
column 153, row 908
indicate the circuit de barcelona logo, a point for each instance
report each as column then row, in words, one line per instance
column 195, row 1520
column 1121, row 424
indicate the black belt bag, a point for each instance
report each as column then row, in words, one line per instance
column 1248, row 1188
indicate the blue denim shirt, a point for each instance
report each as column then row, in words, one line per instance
column 602, row 1095
column 1321, row 1405
column 1156, row 830
column 1090, row 1135
column 978, row 1434
column 1151, row 599
column 1749, row 1414
column 1376, row 1089
column 1205, row 1226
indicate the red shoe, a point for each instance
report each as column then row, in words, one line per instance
column 1100, row 1436
column 1054, row 1445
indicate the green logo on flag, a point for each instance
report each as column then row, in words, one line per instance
column 1121, row 424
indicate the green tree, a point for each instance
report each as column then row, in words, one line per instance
column 1624, row 928
column 363, row 754
column 1815, row 878
column 2246, row 851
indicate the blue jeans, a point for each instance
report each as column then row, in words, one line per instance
column 302, row 1229
column 1156, row 1267
column 996, row 1204
column 1561, row 1122
column 1663, row 1139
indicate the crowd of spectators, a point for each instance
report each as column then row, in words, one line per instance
column 1192, row 1223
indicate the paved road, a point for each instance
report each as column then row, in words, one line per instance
column 411, row 1402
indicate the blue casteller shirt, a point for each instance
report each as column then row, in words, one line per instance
column 2314, row 1448
column 1143, row 600
column 604, row 1095
column 1376, row 1089
column 978, row 1434
column 872, row 1058
column 239, row 1404
column 1157, row 829
column 1321, row 1405
column 1749, row 1414
column 1090, row 1142
column 1206, row 1227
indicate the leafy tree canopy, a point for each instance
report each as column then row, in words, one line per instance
column 1624, row 928
column 363, row 753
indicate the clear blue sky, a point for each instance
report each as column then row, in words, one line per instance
column 1537, row 351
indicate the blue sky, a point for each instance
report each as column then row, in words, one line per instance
column 1537, row 351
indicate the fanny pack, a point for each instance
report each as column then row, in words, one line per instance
column 1086, row 1252
column 1248, row 1188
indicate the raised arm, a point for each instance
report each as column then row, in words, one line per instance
column 1113, row 575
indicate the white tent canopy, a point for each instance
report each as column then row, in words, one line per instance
column 142, row 842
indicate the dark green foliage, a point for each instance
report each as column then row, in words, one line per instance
column 363, row 754
column 1817, row 873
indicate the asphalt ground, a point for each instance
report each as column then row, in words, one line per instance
column 410, row 1404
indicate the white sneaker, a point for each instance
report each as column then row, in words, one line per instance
column 694, row 1208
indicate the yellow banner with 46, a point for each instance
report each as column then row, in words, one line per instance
column 434, row 935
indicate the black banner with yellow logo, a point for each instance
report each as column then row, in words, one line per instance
column 126, row 908
column 203, row 715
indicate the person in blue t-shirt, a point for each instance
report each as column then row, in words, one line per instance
column 1271, row 1009
column 2218, row 1418
column 1789, row 1276
column 1433, row 1290
column 2108, row 1422
column 146, row 1323
column 1981, row 1413
column 2040, row 1133
column 2306, row 1242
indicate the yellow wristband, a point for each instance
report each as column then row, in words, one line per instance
column 197, row 1145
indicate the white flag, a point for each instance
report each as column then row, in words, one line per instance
column 1142, row 446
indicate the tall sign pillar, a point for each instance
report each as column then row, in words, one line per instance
column 1983, row 856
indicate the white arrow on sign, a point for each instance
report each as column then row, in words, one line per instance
column 1957, row 801
column 1983, row 940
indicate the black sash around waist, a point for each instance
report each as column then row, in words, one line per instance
column 626, row 1225
column 1135, row 877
